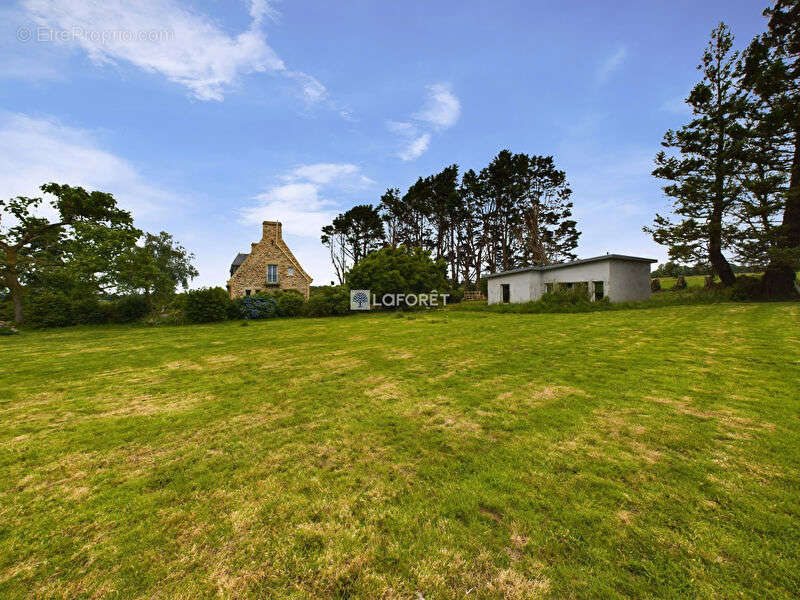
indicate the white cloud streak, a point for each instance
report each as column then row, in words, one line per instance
column 161, row 36
column 302, row 204
column 441, row 110
column 416, row 147
column 45, row 150
column 612, row 63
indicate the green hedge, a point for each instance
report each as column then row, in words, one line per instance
column 206, row 305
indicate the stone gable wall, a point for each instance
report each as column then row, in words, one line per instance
column 252, row 273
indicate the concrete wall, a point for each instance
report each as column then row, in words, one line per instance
column 629, row 282
column 623, row 280
column 588, row 272
column 522, row 288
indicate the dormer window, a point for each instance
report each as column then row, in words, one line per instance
column 272, row 273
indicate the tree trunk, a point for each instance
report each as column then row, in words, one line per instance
column 719, row 263
column 779, row 276
column 16, row 297
column 11, row 281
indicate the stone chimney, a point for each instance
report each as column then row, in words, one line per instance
column 272, row 231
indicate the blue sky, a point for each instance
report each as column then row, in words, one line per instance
column 206, row 117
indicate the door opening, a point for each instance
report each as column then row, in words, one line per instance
column 506, row 292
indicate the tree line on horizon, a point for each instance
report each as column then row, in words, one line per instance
column 733, row 171
column 514, row 212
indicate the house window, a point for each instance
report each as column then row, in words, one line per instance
column 290, row 271
column 272, row 273
column 599, row 291
column 548, row 288
column 247, row 292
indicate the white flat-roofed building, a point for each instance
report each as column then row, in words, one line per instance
column 619, row 278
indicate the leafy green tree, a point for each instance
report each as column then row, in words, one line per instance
column 501, row 184
column 399, row 270
column 703, row 176
column 772, row 72
column 473, row 226
column 764, row 185
column 31, row 242
column 392, row 210
column 156, row 267
column 352, row 236
column 547, row 233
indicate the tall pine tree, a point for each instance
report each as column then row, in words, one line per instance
column 772, row 72
column 703, row 175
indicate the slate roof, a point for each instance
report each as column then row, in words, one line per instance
column 237, row 262
column 573, row 263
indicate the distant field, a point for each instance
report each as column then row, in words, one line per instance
column 455, row 454
column 692, row 281
column 697, row 281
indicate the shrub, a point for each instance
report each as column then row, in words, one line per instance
column 259, row 306
column 132, row 308
column 655, row 285
column 290, row 304
column 178, row 302
column 483, row 286
column 7, row 328
column 109, row 311
column 206, row 305
column 568, row 300
column 87, row 311
column 456, row 295
column 6, row 310
column 49, row 309
column 399, row 270
column 328, row 301
column 747, row 288
column 235, row 309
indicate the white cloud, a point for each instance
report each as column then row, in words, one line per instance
column 401, row 128
column 442, row 108
column 416, row 147
column 297, row 205
column 344, row 174
column 41, row 150
column 311, row 90
column 302, row 204
column 163, row 37
column 613, row 62
column 260, row 9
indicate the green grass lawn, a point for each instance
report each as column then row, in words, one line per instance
column 456, row 454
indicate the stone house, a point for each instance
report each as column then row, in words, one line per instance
column 270, row 265
column 614, row 276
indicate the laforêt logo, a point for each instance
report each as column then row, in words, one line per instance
column 359, row 299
